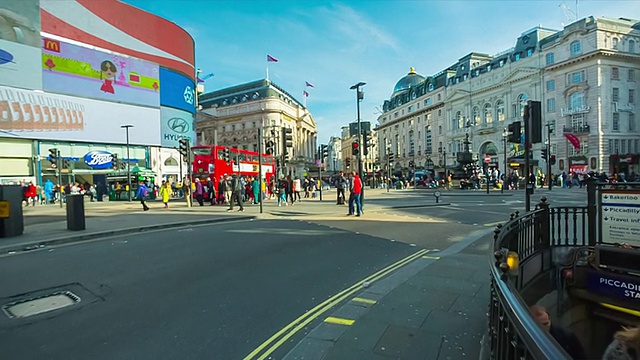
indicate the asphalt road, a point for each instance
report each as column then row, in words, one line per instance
column 212, row 292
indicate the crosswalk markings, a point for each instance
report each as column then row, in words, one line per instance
column 431, row 257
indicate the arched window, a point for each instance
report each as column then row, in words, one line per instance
column 614, row 43
column 632, row 46
column 576, row 100
column 521, row 102
column 171, row 162
column 500, row 115
column 476, row 116
column 459, row 120
column 487, row 114
column 431, row 87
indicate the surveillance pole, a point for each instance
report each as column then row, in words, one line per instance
column 359, row 97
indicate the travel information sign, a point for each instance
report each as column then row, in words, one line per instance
column 620, row 216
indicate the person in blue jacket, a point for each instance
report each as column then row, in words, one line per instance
column 143, row 192
column 48, row 191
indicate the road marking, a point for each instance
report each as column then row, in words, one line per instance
column 339, row 321
column 364, row 300
column 296, row 325
column 431, row 257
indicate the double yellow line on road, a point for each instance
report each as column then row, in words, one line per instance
column 296, row 325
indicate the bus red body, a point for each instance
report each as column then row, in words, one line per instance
column 208, row 163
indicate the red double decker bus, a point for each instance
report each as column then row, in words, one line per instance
column 209, row 163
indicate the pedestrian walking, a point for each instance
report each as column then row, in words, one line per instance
column 165, row 193
column 143, row 192
column 199, row 192
column 236, row 185
column 356, row 192
column 186, row 189
column 211, row 192
column 340, row 182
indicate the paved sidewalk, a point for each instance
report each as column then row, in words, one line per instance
column 46, row 225
column 433, row 308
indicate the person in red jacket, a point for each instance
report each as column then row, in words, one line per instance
column 356, row 193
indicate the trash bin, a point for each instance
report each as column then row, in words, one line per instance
column 11, row 218
column 75, row 212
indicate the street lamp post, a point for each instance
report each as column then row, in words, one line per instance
column 505, row 135
column 126, row 128
column 359, row 97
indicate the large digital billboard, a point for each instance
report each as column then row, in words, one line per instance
column 177, row 91
column 20, row 44
column 37, row 115
column 76, row 70
column 176, row 124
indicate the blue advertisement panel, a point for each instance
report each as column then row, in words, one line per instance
column 177, row 91
column 76, row 70
column 615, row 286
column 175, row 125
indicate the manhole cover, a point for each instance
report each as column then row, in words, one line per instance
column 30, row 307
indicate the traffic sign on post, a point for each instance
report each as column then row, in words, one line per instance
column 487, row 158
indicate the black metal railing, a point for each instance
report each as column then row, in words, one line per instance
column 530, row 241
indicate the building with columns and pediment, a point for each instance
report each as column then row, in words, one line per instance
column 584, row 76
column 232, row 116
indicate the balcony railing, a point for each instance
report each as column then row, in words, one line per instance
column 580, row 129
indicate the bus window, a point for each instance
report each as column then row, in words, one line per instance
column 201, row 151
column 220, row 154
column 242, row 157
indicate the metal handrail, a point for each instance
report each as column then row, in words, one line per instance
column 530, row 339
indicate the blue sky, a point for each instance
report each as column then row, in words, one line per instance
column 334, row 45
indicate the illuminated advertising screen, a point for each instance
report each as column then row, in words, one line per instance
column 44, row 116
column 20, row 44
column 177, row 91
column 176, row 124
column 76, row 70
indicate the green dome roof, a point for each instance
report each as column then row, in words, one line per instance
column 412, row 79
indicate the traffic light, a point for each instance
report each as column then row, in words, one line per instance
column 65, row 164
column 355, row 148
column 348, row 163
column 552, row 160
column 514, row 130
column 545, row 154
column 226, row 155
column 535, row 121
column 184, row 147
column 53, row 157
column 270, row 147
column 324, row 152
column 114, row 161
column 287, row 138
column 391, row 158
column 412, row 164
column 365, row 142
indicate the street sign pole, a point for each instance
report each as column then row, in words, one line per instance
column 487, row 160
column 260, row 168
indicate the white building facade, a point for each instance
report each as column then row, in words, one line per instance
column 584, row 76
column 232, row 117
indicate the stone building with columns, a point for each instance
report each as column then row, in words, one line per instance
column 232, row 117
column 584, row 76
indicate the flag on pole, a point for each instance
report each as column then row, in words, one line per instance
column 309, row 84
column 271, row 58
column 305, row 93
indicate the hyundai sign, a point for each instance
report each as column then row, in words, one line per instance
column 175, row 125
column 98, row 159
column 177, row 91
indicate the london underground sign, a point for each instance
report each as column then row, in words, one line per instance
column 487, row 158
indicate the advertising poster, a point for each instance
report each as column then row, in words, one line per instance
column 176, row 124
column 36, row 115
column 20, row 44
column 76, row 70
column 620, row 216
column 177, row 91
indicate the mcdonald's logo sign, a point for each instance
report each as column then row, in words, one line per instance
column 51, row 45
